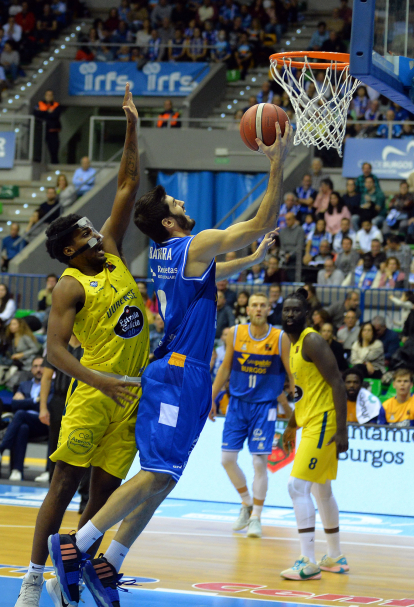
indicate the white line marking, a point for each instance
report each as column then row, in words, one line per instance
column 185, row 591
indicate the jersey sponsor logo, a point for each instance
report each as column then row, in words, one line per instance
column 130, row 323
column 93, row 283
column 243, row 358
column 298, row 393
column 110, row 266
column 161, row 253
column 127, row 297
column 80, row 441
column 257, row 432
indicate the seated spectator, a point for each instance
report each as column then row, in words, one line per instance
column 266, row 94
column 336, row 211
column 58, row 9
column 10, row 60
column 338, row 309
column 345, row 232
column 161, row 11
column 273, row 272
column 46, row 27
column 111, row 24
column 144, row 35
column 166, row 33
column 25, row 423
column 256, row 275
column 243, row 55
column 11, row 245
column 330, row 275
column 390, row 339
column 391, row 276
column 334, row 44
column 360, row 103
column 348, row 334
column 366, row 172
column 400, row 209
column 156, row 334
column 291, row 241
column 153, row 51
column 318, row 37
column 238, row 276
column 373, row 112
column 318, row 318
column 367, row 353
column 221, row 50
column 22, row 344
column 251, row 103
column 7, row 306
column 290, row 205
column 255, row 39
column 312, row 299
column 374, row 194
column 366, row 235
column 84, row 52
column 398, row 411
column 240, row 308
column 229, row 294
column 44, row 297
column 377, row 253
column 122, row 34
column 384, row 129
column 33, row 228
column 104, row 53
column 323, row 196
column 317, row 173
column 225, row 316
column 406, row 303
column 169, row 117
column 177, row 49
column 26, row 19
column 407, row 131
column 84, row 177
column 327, row 332
column 206, row 12
column 66, row 193
column 314, row 240
column 365, row 275
column 50, row 203
column 306, row 194
column 12, row 31
column 351, row 198
column 123, row 54
column 276, row 304
column 398, row 249
column 348, row 258
column 309, row 224
column 362, row 406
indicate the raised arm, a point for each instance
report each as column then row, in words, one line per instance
column 317, row 350
column 209, row 243
column 223, row 372
column 225, row 269
column 128, row 182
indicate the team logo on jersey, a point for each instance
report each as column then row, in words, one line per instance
column 110, row 266
column 257, row 432
column 80, row 441
column 93, row 283
column 268, row 347
column 130, row 323
column 244, row 347
column 298, row 393
column 243, row 358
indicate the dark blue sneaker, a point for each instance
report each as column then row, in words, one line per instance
column 67, row 561
column 102, row 580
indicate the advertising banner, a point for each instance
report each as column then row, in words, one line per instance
column 372, row 475
column 390, row 158
column 7, row 149
column 155, row 79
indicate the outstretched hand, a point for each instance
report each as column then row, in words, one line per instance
column 262, row 249
column 128, row 106
column 278, row 151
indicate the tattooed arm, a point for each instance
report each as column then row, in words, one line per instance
column 128, row 182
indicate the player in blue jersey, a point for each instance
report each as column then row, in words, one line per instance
column 176, row 397
column 256, row 358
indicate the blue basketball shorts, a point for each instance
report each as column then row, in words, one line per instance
column 256, row 422
column 174, row 406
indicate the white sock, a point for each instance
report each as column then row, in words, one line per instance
column 116, row 554
column 33, row 568
column 334, row 547
column 257, row 511
column 307, row 545
column 246, row 498
column 87, row 536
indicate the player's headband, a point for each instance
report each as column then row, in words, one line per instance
column 82, row 223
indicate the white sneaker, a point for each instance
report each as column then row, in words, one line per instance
column 15, row 475
column 53, row 590
column 302, row 570
column 255, row 527
column 30, row 591
column 338, row 565
column 42, row 478
column 244, row 517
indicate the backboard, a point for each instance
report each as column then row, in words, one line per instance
column 382, row 44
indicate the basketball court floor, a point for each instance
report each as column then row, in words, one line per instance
column 189, row 556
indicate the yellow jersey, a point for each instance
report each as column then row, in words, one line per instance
column 112, row 326
column 398, row 412
column 313, row 396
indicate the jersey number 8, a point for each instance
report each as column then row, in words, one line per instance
column 313, row 463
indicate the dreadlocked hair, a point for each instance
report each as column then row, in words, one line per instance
column 300, row 294
column 54, row 245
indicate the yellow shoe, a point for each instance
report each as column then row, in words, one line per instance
column 302, row 570
column 338, row 565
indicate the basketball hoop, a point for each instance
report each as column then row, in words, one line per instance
column 321, row 119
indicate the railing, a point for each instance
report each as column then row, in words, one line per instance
column 24, row 128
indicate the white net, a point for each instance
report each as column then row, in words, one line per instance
column 320, row 102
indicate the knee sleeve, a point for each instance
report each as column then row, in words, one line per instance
column 300, row 493
column 235, row 473
column 327, row 506
column 260, row 476
column 298, row 488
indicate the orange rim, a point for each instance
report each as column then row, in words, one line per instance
column 341, row 59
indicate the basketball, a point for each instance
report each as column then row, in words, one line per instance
column 259, row 121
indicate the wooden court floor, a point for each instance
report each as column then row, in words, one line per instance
column 182, row 553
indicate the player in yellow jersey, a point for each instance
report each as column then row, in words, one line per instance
column 320, row 410
column 98, row 300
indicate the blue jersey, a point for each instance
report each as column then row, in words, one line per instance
column 257, row 373
column 187, row 305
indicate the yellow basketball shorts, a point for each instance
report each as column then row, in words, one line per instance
column 315, row 460
column 95, row 431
